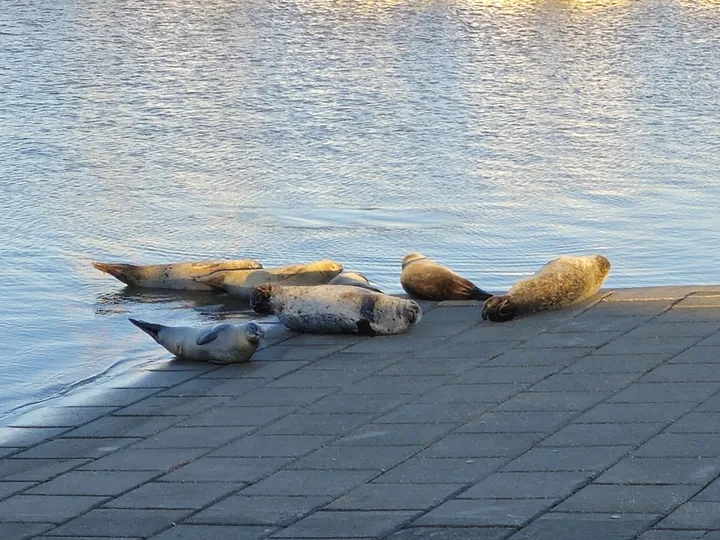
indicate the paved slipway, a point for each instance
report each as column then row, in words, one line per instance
column 599, row 422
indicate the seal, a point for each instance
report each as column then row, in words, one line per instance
column 562, row 282
column 179, row 276
column 426, row 279
column 355, row 279
column 220, row 344
column 336, row 309
column 242, row 282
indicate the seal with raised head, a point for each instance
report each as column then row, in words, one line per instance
column 427, row 279
column 242, row 283
column 336, row 309
column 219, row 344
column 180, row 276
column 562, row 282
column 355, row 279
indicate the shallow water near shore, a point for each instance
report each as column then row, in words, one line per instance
column 491, row 135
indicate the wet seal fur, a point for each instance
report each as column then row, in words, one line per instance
column 427, row 279
column 242, row 282
column 220, row 344
column 562, row 282
column 336, row 309
column 355, row 279
column 179, row 276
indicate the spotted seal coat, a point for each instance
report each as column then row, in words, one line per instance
column 220, row 344
column 426, row 279
column 180, row 276
column 334, row 309
column 562, row 282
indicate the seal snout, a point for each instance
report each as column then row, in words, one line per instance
column 254, row 332
column 260, row 299
column 499, row 309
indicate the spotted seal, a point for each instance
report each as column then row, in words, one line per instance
column 562, row 282
column 426, row 279
column 355, row 279
column 220, row 344
column 242, row 283
column 180, row 276
column 334, row 309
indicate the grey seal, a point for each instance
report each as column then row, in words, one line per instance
column 562, row 282
column 335, row 309
column 426, row 279
column 219, row 344
column 180, row 276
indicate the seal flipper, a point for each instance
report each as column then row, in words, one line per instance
column 479, row 294
column 211, row 334
column 367, row 315
column 151, row 329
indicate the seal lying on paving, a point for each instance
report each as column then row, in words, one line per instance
column 242, row 283
column 562, row 282
column 356, row 279
column 428, row 280
column 220, row 344
column 174, row 275
column 336, row 309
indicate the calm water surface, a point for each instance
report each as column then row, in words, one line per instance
column 489, row 134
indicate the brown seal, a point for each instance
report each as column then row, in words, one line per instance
column 428, row 280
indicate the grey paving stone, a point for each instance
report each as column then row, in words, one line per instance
column 539, row 357
column 171, row 495
column 697, row 314
column 526, row 485
column 309, row 483
column 484, row 512
column 617, row 363
column 279, row 397
column 639, row 392
column 259, row 510
column 35, row 470
column 44, row 537
column 711, row 492
column 450, row 349
column 299, row 353
column 695, row 445
column 635, row 470
column 452, row 533
column 356, row 404
column 562, row 526
column 570, row 339
column 22, row 531
column 693, row 515
column 648, row 345
column 237, row 416
column 355, row 457
column 699, row 301
column 423, row 367
column 419, row 470
column 378, row 384
column 144, row 459
column 346, row 524
column 325, row 339
column 452, row 314
column 712, row 404
column 396, row 434
column 585, row 382
column 124, row 426
column 676, row 329
column 213, row 388
column 683, row 373
column 170, row 406
column 645, row 294
column 59, row 416
column 552, row 401
column 711, row 341
column 507, row 445
column 255, row 370
column 632, row 499
column 635, row 412
column 44, row 509
column 628, row 309
column 394, row 497
column 394, row 344
column 16, row 437
column 93, row 483
column 576, row 458
column 603, row 434
column 318, row 378
column 470, row 393
column 316, row 424
column 149, row 379
column 507, row 374
column 272, row 446
column 696, row 422
column 361, row 362
column 194, row 437
column 671, row 535
column 10, row 488
column 619, row 324
column 120, row 522
column 200, row 532
column 484, row 333
column 220, row 469
column 428, row 413
column 697, row 355
column 518, row 422
column 76, row 448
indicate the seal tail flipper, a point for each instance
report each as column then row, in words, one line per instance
column 151, row 329
column 479, row 294
column 118, row 271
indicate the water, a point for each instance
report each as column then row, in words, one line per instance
column 491, row 135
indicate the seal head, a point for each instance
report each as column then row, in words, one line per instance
column 260, row 299
column 407, row 259
column 500, row 309
column 253, row 332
